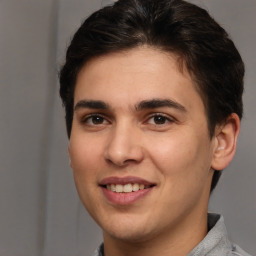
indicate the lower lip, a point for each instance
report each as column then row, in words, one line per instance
column 125, row 198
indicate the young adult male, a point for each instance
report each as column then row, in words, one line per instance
column 153, row 98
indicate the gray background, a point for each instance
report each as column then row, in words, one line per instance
column 40, row 213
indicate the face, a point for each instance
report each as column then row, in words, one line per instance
column 140, row 148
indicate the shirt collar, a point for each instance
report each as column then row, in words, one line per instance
column 99, row 251
column 216, row 240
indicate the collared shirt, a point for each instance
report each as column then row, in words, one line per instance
column 216, row 242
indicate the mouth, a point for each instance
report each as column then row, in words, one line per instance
column 127, row 188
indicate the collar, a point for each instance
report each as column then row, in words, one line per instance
column 216, row 241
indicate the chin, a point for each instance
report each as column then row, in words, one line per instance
column 130, row 231
column 129, row 236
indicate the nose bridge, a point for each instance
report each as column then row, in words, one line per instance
column 124, row 144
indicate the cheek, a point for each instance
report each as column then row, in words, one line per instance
column 184, row 176
column 174, row 153
column 84, row 153
column 182, row 159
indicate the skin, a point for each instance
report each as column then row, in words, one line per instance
column 173, row 151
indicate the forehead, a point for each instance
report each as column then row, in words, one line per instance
column 135, row 75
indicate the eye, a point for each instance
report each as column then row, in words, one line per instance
column 159, row 119
column 94, row 119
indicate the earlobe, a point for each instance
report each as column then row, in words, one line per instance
column 226, row 140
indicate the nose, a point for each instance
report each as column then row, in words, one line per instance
column 124, row 146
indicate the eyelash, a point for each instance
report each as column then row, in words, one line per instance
column 85, row 120
column 91, row 116
column 165, row 117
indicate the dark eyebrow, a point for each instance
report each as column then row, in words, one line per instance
column 92, row 104
column 158, row 103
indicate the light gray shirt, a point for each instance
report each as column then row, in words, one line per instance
column 216, row 242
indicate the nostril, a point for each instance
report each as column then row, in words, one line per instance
column 119, row 161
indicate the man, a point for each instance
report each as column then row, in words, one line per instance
column 153, row 98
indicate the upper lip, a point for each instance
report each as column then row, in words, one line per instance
column 125, row 180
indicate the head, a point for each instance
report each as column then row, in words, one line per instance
column 172, row 26
column 153, row 98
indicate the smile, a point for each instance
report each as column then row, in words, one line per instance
column 127, row 188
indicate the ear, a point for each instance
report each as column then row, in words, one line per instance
column 225, row 142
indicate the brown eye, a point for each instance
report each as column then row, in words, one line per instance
column 97, row 120
column 159, row 119
column 94, row 120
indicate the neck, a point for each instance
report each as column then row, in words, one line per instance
column 179, row 240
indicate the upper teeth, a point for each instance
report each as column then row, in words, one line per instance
column 127, row 188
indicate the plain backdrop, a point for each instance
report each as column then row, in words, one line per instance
column 40, row 213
